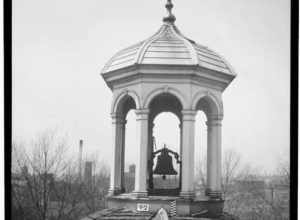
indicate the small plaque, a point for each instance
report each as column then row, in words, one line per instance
column 143, row 207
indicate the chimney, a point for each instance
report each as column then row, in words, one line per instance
column 88, row 172
column 80, row 159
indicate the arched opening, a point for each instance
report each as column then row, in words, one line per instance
column 207, row 154
column 200, row 153
column 125, row 104
column 164, row 125
column 125, row 145
column 166, row 132
column 130, row 156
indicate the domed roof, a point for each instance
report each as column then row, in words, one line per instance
column 168, row 47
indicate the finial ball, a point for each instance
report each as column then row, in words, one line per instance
column 170, row 18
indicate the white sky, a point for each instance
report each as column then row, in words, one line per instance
column 60, row 47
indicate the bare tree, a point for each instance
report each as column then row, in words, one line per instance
column 245, row 191
column 95, row 187
column 43, row 185
column 230, row 168
column 252, row 198
column 283, row 169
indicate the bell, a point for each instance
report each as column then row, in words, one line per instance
column 164, row 165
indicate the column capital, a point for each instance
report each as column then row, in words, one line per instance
column 188, row 112
column 117, row 118
column 144, row 111
column 214, row 120
column 215, row 117
column 142, row 114
column 115, row 115
column 188, row 115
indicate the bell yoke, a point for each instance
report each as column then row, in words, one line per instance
column 164, row 164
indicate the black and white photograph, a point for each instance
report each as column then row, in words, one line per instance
column 151, row 110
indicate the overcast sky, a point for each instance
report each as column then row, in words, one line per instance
column 60, row 47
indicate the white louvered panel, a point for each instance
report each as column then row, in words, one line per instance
column 211, row 61
column 167, row 44
column 166, row 55
column 125, row 56
column 168, row 41
column 216, row 57
column 122, row 61
column 167, row 61
column 167, row 49
column 119, row 66
column 213, row 67
column 204, row 50
column 134, row 49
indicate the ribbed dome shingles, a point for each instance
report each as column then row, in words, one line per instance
column 123, row 58
column 168, row 47
column 209, row 59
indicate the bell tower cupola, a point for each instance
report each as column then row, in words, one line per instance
column 167, row 72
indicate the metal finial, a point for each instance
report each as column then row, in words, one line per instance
column 170, row 18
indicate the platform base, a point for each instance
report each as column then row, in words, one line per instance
column 124, row 214
column 184, row 206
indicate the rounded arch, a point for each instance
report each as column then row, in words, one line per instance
column 162, row 90
column 118, row 100
column 215, row 105
column 162, row 131
column 165, row 132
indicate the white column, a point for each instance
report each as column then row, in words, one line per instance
column 187, row 158
column 123, row 157
column 140, row 188
column 116, row 165
column 214, row 150
column 180, row 147
column 150, row 151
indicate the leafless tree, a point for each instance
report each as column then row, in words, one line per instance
column 96, row 190
column 230, row 167
column 231, row 164
column 245, row 192
column 283, row 169
column 43, row 184
column 254, row 200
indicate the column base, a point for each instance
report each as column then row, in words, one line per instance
column 187, row 194
column 139, row 194
column 213, row 194
column 115, row 191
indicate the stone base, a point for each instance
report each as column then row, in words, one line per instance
column 139, row 194
column 124, row 214
column 189, row 207
column 187, row 195
column 116, row 191
column 213, row 194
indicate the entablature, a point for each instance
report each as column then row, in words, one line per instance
column 170, row 73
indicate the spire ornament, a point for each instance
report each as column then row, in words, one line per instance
column 170, row 18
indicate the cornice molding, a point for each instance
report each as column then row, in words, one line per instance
column 192, row 73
